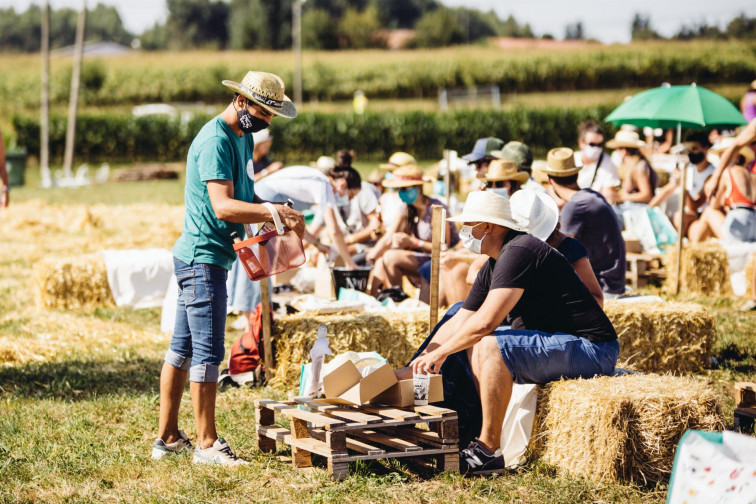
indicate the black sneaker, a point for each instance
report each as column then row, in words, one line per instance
column 477, row 460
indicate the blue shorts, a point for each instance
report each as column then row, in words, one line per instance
column 739, row 226
column 198, row 342
column 538, row 357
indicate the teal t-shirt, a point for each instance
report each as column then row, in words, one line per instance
column 216, row 153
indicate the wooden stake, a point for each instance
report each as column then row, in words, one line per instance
column 267, row 342
column 74, row 100
column 44, row 127
column 681, row 233
column 437, row 227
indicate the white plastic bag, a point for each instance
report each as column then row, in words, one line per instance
column 518, row 423
column 714, row 468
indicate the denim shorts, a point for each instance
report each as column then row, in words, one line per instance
column 740, row 225
column 198, row 342
column 539, row 357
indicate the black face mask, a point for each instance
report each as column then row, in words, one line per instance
column 696, row 157
column 249, row 123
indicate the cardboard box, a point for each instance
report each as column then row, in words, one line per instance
column 402, row 394
column 345, row 384
column 745, row 395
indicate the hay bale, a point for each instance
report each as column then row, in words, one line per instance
column 749, row 276
column 621, row 429
column 396, row 336
column 72, row 282
column 663, row 337
column 705, row 269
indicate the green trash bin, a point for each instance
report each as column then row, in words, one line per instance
column 15, row 163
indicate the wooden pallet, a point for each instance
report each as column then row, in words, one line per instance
column 344, row 434
column 644, row 268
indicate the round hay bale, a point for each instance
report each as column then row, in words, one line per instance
column 705, row 269
column 396, row 336
column 663, row 337
column 621, row 429
column 72, row 282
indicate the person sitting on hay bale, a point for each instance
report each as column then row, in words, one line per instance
column 588, row 217
column 524, row 278
column 406, row 246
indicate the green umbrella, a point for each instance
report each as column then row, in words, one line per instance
column 677, row 107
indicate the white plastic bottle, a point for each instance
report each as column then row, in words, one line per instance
column 318, row 352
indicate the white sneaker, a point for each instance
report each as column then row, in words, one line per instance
column 218, row 454
column 160, row 448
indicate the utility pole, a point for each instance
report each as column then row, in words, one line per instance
column 44, row 127
column 296, row 35
column 74, row 100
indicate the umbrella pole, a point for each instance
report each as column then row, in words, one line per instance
column 681, row 233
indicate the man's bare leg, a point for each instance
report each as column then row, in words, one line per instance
column 172, row 382
column 203, row 400
column 494, row 383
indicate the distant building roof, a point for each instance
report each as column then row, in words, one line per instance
column 94, row 48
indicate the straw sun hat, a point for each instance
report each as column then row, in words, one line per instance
column 266, row 90
column 487, row 206
column 536, row 212
column 727, row 142
column 560, row 162
column 397, row 160
column 501, row 169
column 406, row 176
column 626, row 139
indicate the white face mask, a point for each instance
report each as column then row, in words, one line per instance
column 342, row 200
column 591, row 152
column 501, row 191
column 469, row 241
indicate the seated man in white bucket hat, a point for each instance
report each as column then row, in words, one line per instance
column 560, row 329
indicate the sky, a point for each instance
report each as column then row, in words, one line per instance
column 605, row 20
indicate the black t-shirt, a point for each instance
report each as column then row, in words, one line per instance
column 554, row 298
column 589, row 218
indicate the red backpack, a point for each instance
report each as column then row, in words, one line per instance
column 247, row 351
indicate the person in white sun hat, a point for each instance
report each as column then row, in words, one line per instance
column 220, row 199
column 559, row 330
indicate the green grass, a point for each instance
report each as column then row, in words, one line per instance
column 77, row 425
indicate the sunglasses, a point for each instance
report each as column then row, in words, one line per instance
column 596, row 144
column 497, row 184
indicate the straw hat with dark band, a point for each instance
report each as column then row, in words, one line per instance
column 406, row 176
column 560, row 162
column 266, row 90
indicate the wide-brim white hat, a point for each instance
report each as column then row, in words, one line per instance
column 487, row 206
column 626, row 139
column 266, row 90
column 536, row 212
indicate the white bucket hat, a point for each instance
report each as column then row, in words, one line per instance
column 536, row 212
column 267, row 90
column 487, row 206
column 324, row 164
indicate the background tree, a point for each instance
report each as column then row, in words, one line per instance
column 197, row 23
column 356, row 29
column 318, row 30
column 438, row 28
column 742, row 27
column 574, row 31
column 640, row 29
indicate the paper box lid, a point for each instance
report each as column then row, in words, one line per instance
column 345, row 384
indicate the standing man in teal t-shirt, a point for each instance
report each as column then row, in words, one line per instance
column 219, row 198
